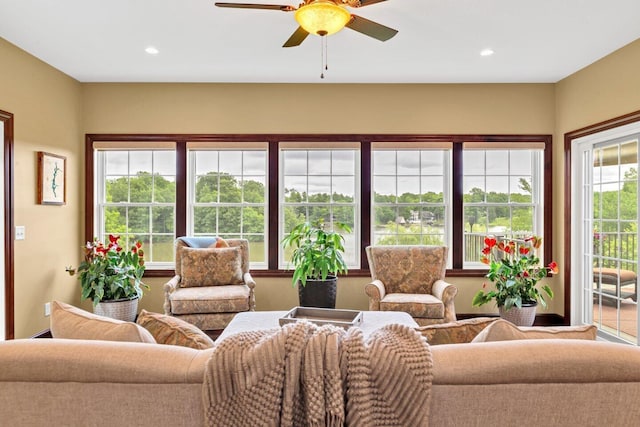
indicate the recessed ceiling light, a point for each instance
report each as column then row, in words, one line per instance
column 486, row 52
column 152, row 50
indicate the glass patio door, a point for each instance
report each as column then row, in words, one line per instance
column 608, row 237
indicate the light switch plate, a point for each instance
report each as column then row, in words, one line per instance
column 20, row 232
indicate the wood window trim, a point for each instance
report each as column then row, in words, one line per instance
column 365, row 141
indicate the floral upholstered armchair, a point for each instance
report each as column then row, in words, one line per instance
column 411, row 279
column 212, row 282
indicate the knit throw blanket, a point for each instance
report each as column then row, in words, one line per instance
column 304, row 375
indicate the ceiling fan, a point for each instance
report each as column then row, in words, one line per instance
column 324, row 17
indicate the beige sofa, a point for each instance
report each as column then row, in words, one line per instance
column 531, row 382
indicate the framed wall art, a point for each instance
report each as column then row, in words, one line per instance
column 52, row 179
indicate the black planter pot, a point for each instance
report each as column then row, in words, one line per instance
column 318, row 293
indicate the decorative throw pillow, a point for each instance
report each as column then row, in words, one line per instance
column 211, row 267
column 72, row 322
column 461, row 331
column 502, row 330
column 219, row 243
column 171, row 330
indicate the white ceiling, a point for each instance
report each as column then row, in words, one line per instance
column 438, row 41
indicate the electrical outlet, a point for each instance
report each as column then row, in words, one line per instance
column 47, row 309
column 20, row 232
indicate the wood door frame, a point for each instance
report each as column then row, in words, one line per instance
column 7, row 119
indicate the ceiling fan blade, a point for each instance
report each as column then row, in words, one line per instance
column 370, row 28
column 368, row 2
column 296, row 38
column 284, row 8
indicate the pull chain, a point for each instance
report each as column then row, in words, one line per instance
column 323, row 55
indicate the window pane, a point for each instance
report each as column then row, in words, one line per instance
column 161, row 249
column 409, row 189
column 432, row 189
column 520, row 161
column 116, row 163
column 254, row 163
column 408, row 162
column 253, row 220
column 141, row 187
column 139, row 220
column 140, row 162
column 343, row 189
column 164, row 189
column 163, row 219
column 432, row 163
column 206, row 190
column 253, row 189
column 497, row 189
column 319, row 162
column 205, row 220
column 115, row 220
column 230, row 191
column 294, row 162
column 343, row 162
column 384, row 189
column 384, row 162
column 230, row 162
column 206, row 162
column 117, row 189
column 229, row 220
column 473, row 161
column 497, row 162
column 474, row 189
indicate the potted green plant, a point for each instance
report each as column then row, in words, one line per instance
column 317, row 258
column 112, row 277
column 515, row 270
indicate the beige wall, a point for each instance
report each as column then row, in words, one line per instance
column 319, row 108
column 47, row 108
column 52, row 113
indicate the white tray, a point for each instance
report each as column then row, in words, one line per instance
column 323, row 316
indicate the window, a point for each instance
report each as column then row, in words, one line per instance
column 411, row 195
column 502, row 196
column 136, row 193
column 391, row 189
column 320, row 185
column 227, row 195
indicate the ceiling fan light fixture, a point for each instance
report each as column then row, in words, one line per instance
column 322, row 17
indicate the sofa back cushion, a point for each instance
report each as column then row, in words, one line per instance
column 171, row 330
column 72, row 322
column 502, row 330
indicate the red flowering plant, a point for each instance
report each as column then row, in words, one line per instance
column 515, row 270
column 110, row 273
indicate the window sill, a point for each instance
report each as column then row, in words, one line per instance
column 352, row 273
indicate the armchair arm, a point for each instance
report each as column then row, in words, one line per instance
column 375, row 291
column 248, row 280
column 446, row 293
column 169, row 288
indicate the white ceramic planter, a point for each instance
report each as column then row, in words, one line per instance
column 124, row 309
